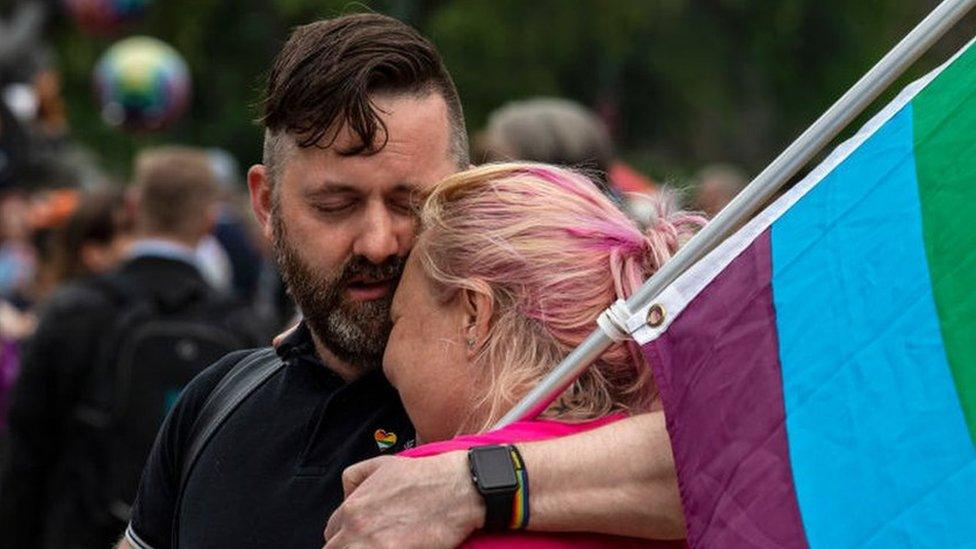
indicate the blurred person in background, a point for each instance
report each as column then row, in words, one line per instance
column 254, row 277
column 234, row 228
column 12, row 147
column 272, row 300
column 92, row 240
column 15, row 326
column 18, row 260
column 562, row 132
column 110, row 355
column 716, row 186
column 18, row 267
column 49, row 211
column 214, row 263
column 82, row 236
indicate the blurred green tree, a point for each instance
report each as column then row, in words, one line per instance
column 682, row 82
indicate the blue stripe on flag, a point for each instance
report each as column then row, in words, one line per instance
column 878, row 444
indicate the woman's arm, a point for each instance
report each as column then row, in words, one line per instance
column 618, row 479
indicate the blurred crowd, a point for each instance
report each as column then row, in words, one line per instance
column 53, row 237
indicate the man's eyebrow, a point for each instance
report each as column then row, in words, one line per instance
column 409, row 188
column 331, row 188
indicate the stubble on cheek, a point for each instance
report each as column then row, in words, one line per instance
column 355, row 331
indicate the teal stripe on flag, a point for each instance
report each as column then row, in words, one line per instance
column 880, row 452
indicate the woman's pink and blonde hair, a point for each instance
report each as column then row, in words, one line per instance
column 552, row 252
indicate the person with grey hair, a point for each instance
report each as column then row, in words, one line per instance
column 548, row 130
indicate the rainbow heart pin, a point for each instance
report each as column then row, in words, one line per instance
column 384, row 440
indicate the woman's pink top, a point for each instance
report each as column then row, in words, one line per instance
column 526, row 431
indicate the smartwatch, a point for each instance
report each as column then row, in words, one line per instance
column 494, row 476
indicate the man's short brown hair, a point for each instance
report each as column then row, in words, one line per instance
column 176, row 188
column 327, row 71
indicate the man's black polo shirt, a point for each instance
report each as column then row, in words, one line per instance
column 271, row 476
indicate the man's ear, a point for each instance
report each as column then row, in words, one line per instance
column 477, row 308
column 261, row 196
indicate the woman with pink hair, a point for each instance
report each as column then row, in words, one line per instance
column 512, row 267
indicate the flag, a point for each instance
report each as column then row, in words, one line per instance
column 818, row 368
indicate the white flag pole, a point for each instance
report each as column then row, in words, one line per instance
column 770, row 180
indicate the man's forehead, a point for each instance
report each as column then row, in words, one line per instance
column 407, row 121
column 323, row 171
column 414, row 149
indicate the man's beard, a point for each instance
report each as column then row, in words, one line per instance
column 356, row 332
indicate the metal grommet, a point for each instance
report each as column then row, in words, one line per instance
column 656, row 315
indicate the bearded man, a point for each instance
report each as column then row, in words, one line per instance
column 362, row 120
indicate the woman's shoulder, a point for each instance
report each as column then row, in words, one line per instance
column 519, row 431
column 563, row 540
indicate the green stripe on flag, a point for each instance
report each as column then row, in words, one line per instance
column 945, row 156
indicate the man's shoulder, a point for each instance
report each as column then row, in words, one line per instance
column 184, row 415
column 74, row 309
column 80, row 295
column 107, row 291
column 200, row 388
column 188, row 293
column 159, row 491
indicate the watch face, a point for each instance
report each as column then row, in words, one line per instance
column 493, row 469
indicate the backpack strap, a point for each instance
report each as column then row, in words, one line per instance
column 233, row 389
column 238, row 384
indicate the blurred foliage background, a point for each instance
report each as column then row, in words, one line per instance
column 683, row 83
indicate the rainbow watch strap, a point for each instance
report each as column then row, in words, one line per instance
column 520, row 503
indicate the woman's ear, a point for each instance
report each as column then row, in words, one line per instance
column 477, row 309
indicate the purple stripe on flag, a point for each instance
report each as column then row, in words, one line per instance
column 717, row 368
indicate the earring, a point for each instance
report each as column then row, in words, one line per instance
column 470, row 344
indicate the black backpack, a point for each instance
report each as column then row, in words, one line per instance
column 158, row 343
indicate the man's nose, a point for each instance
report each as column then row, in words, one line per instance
column 378, row 240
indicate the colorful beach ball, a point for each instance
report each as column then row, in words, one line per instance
column 105, row 16
column 142, row 84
